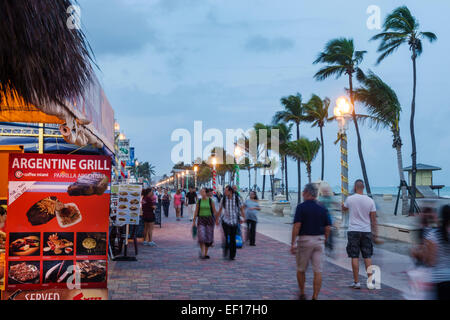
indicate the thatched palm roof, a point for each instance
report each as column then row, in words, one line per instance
column 41, row 59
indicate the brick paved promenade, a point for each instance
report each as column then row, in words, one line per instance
column 173, row 271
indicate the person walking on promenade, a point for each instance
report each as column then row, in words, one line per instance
column 325, row 198
column 177, row 203
column 310, row 231
column 230, row 211
column 183, row 201
column 165, row 201
column 436, row 253
column 252, row 207
column 191, row 202
column 361, row 230
column 205, row 215
column 148, row 214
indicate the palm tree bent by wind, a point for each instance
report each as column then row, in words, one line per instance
column 401, row 27
column 341, row 58
column 384, row 109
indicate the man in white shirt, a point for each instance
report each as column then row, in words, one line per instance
column 362, row 224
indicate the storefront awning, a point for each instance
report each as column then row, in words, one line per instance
column 84, row 120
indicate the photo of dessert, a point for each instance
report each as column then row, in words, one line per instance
column 89, row 184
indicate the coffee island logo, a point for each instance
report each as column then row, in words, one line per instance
column 18, row 174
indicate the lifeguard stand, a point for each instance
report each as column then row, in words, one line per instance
column 424, row 180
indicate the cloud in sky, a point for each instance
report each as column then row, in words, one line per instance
column 166, row 63
column 264, row 44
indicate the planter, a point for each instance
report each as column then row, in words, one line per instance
column 279, row 208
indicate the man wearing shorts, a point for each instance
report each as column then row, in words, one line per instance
column 311, row 229
column 362, row 222
column 191, row 202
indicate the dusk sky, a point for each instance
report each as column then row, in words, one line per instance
column 166, row 63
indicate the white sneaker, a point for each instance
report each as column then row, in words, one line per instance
column 145, row 243
column 152, row 244
column 356, row 285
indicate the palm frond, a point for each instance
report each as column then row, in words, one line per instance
column 430, row 36
column 400, row 26
column 379, row 99
column 41, row 59
column 328, row 71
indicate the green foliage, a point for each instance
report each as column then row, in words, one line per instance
column 379, row 99
column 401, row 27
column 340, row 58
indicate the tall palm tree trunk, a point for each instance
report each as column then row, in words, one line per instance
column 286, row 177
column 360, row 153
column 272, row 187
column 398, row 148
column 264, row 183
column 413, row 137
column 308, row 170
column 323, row 153
column 282, row 174
column 249, row 179
column 255, row 186
column 299, row 175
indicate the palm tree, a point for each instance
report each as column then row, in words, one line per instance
column 261, row 150
column 317, row 110
column 294, row 112
column 341, row 58
column 304, row 150
column 146, row 171
column 285, row 135
column 401, row 27
column 42, row 60
column 384, row 108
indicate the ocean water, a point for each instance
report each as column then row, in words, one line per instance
column 444, row 192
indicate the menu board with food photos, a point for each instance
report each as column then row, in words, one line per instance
column 58, row 221
column 127, row 204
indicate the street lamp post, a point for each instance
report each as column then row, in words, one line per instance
column 237, row 154
column 342, row 112
column 214, row 162
column 182, row 180
column 195, row 176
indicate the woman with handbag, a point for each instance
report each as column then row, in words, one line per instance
column 205, row 215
